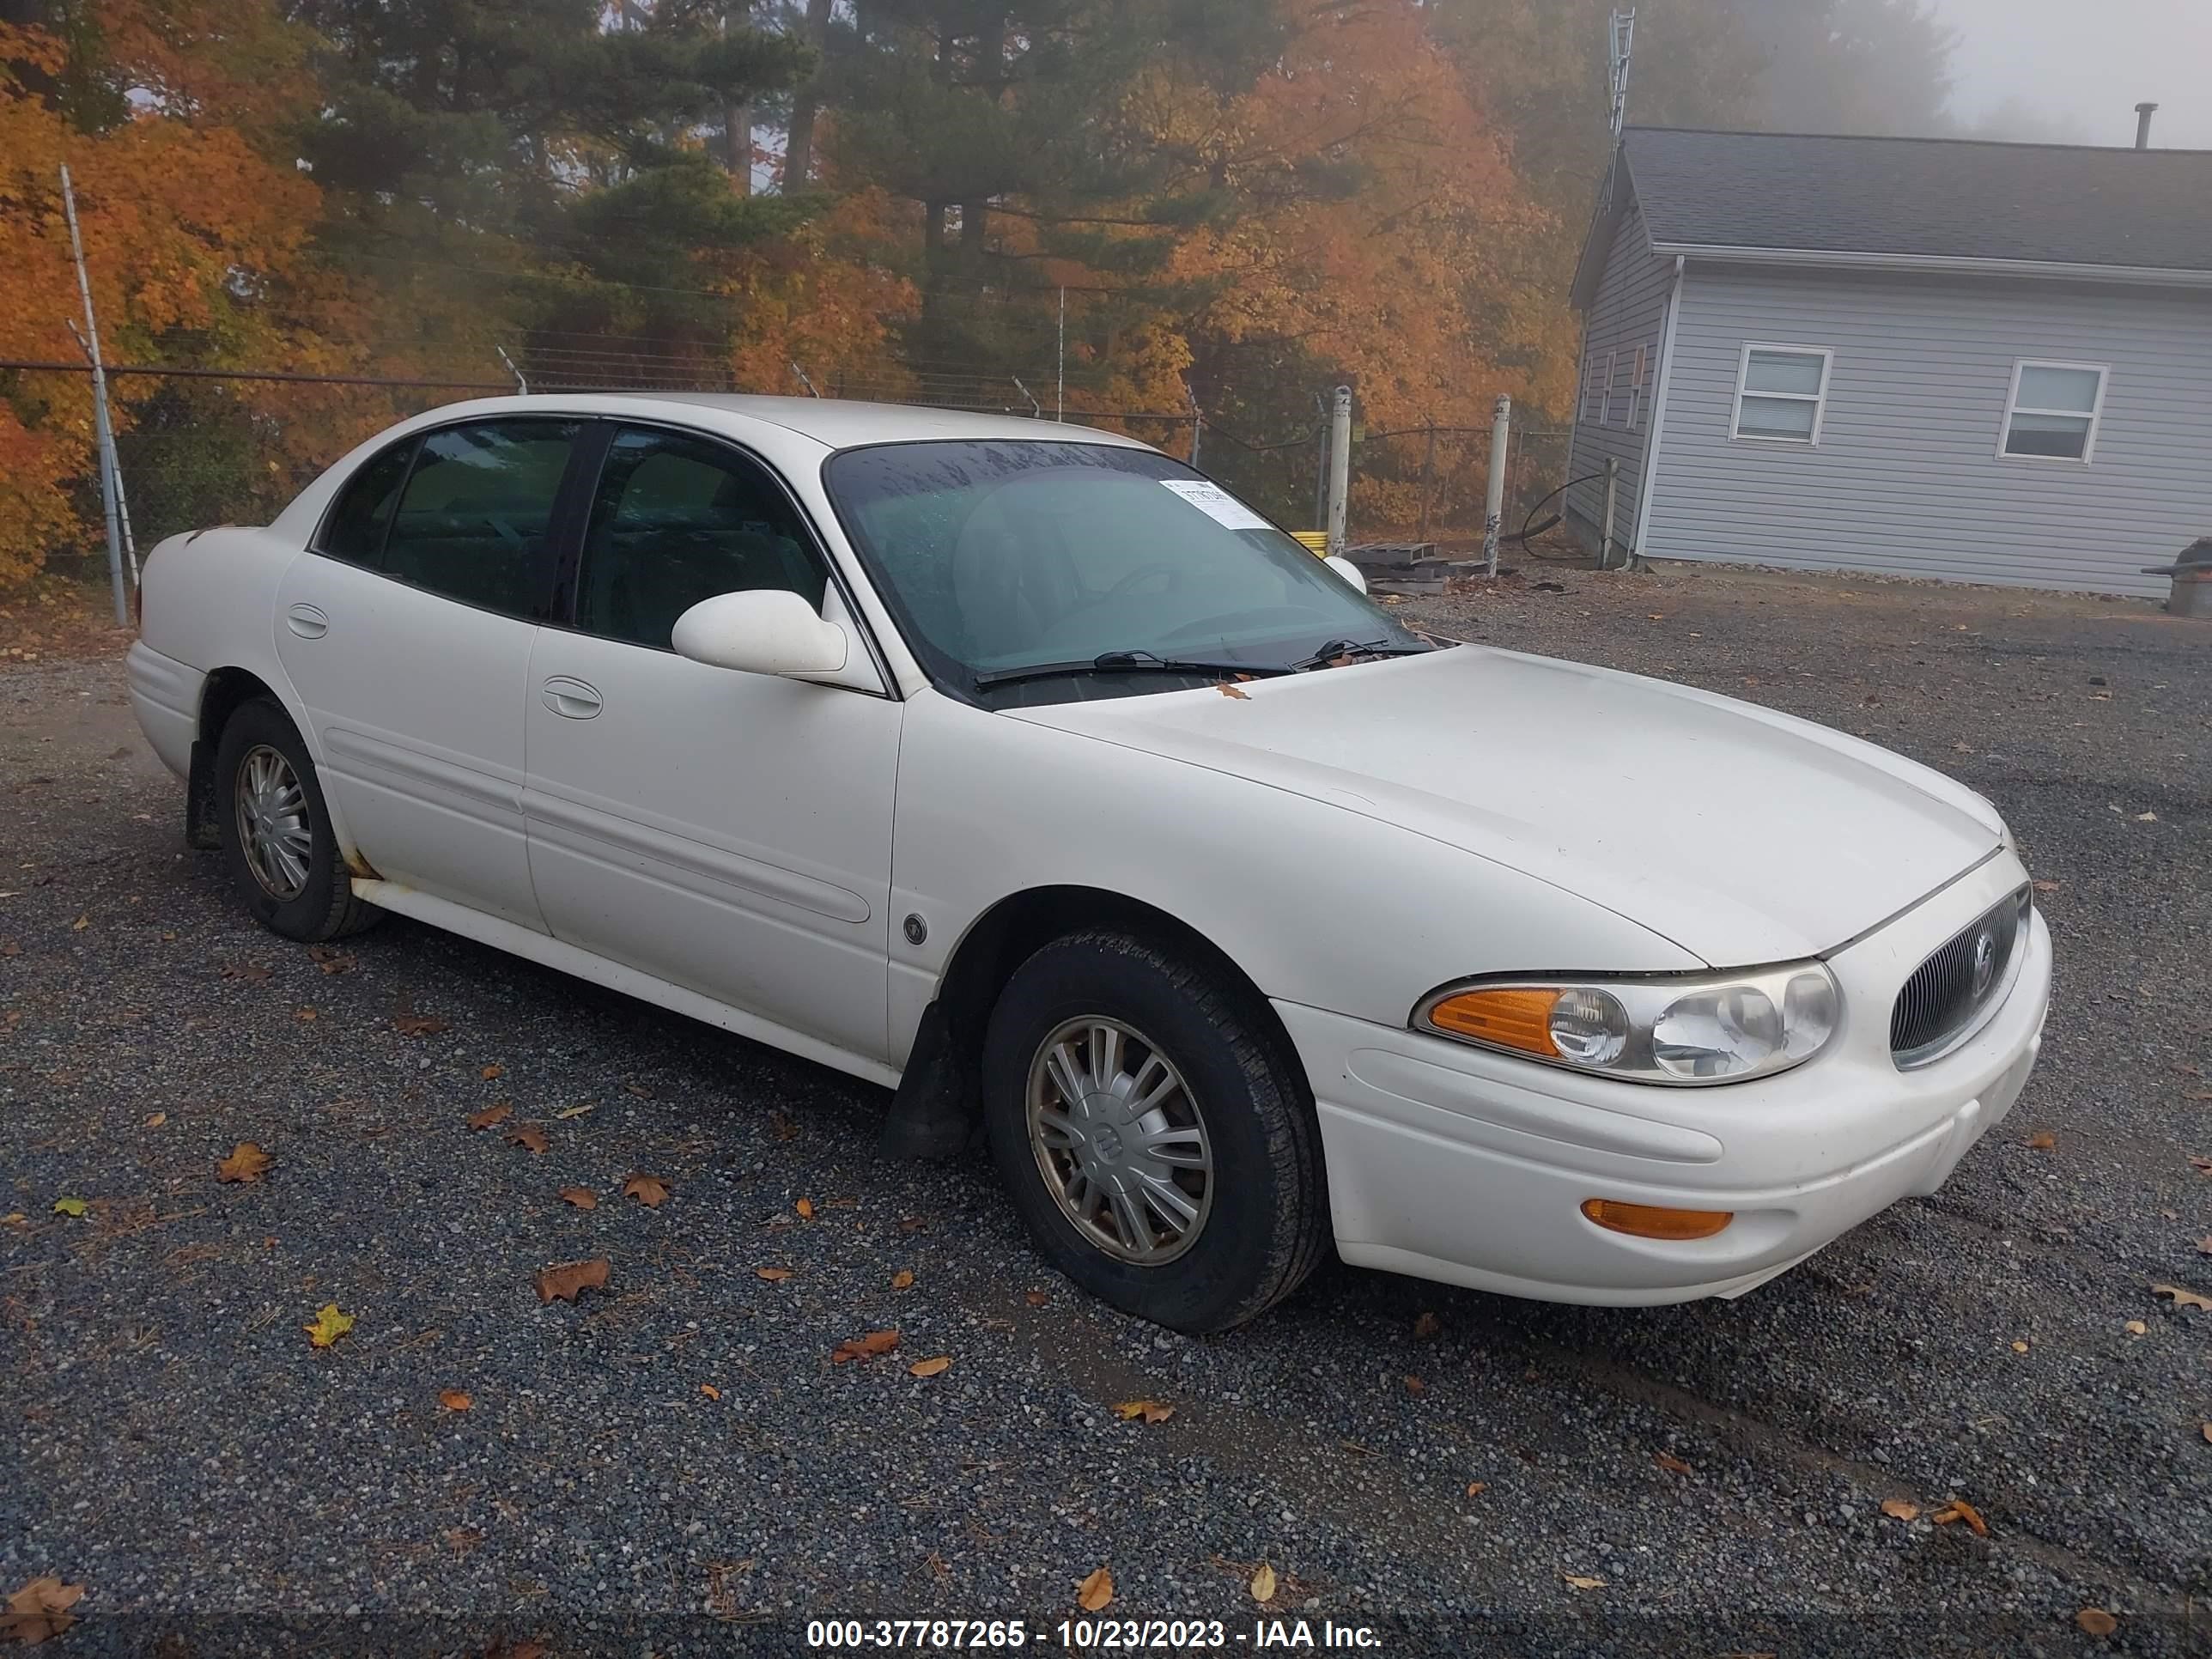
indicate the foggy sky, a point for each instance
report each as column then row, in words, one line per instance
column 2085, row 63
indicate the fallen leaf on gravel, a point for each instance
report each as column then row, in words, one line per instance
column 2207, row 1428
column 773, row 1275
column 252, row 972
column 330, row 1325
column 781, row 1126
column 568, row 1280
column 332, row 961
column 2182, row 1298
column 73, row 1207
column 15, row 1218
column 1572, row 1580
column 902, row 1280
column 38, row 1610
column 639, row 1089
column 2146, row 817
column 1960, row 1510
column 502, row 1648
column 1671, row 1464
column 1900, row 1508
column 930, row 1367
column 1096, row 1591
column 246, row 1161
column 492, row 1071
column 2135, row 1327
column 2048, row 886
column 1476, row 1488
column 1263, row 1583
column 304, row 1014
column 568, row 1112
column 80, row 923
column 157, row 1120
column 419, row 1024
column 528, row 1136
column 9, row 948
column 710, row 1391
column 1224, row 688
column 497, row 1112
column 582, row 1197
column 864, row 1347
column 454, row 1400
column 1037, row 1298
column 648, row 1190
column 2201, row 1164
column 2041, row 1141
column 1415, row 1386
column 1426, row 1326
column 2019, row 1347
column 2095, row 1621
column 806, row 1208
column 1150, row 1410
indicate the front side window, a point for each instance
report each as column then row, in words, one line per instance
column 353, row 530
column 476, row 518
column 1004, row 556
column 1780, row 393
column 677, row 519
column 2053, row 409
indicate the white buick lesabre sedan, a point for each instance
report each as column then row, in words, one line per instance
column 1019, row 769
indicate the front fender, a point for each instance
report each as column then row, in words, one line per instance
column 1316, row 904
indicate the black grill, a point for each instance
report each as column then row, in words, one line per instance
column 1947, row 993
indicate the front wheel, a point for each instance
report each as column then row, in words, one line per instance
column 277, row 836
column 1153, row 1134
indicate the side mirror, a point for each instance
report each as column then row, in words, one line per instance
column 766, row 630
column 1345, row 569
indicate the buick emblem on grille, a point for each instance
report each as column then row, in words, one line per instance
column 1985, row 962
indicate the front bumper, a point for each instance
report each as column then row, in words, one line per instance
column 1454, row 1163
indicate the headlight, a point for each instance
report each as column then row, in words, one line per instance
column 1717, row 1028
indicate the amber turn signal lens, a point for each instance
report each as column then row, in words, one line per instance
column 1649, row 1221
column 1511, row 1019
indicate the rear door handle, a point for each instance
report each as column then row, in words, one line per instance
column 571, row 698
column 308, row 621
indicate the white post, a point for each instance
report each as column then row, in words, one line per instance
column 1339, row 467
column 104, row 433
column 1493, row 508
column 1612, row 501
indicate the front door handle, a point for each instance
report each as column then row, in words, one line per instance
column 571, row 698
column 308, row 621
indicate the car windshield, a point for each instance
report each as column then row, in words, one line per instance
column 1016, row 555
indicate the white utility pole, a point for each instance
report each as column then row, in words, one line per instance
column 1339, row 467
column 103, row 431
column 1493, row 507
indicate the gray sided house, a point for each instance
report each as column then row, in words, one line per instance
column 1929, row 357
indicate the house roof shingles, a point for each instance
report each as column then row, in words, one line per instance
column 1942, row 198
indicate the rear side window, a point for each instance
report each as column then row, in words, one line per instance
column 354, row 528
column 476, row 517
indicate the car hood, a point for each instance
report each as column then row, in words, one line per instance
column 1741, row 834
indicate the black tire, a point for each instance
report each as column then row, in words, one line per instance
column 1267, row 1227
column 323, row 908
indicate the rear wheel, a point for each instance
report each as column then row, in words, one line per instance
column 277, row 836
column 1160, row 1145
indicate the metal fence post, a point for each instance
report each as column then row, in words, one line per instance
column 103, row 430
column 1493, row 507
column 1611, row 499
column 1339, row 467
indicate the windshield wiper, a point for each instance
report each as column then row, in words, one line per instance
column 1336, row 649
column 1119, row 662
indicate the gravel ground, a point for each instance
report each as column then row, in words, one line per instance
column 676, row 1465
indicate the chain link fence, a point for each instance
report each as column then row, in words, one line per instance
column 198, row 447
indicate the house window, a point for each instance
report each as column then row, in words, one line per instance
column 1780, row 393
column 2052, row 412
column 1605, row 394
column 1639, row 394
column 1593, row 389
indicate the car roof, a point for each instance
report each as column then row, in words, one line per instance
column 837, row 423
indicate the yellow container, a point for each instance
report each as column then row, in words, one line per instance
column 1315, row 542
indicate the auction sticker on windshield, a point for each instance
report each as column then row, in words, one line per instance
column 1217, row 503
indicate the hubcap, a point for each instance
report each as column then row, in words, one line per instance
column 1120, row 1141
column 273, row 822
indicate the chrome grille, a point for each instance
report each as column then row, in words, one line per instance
column 1960, row 985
